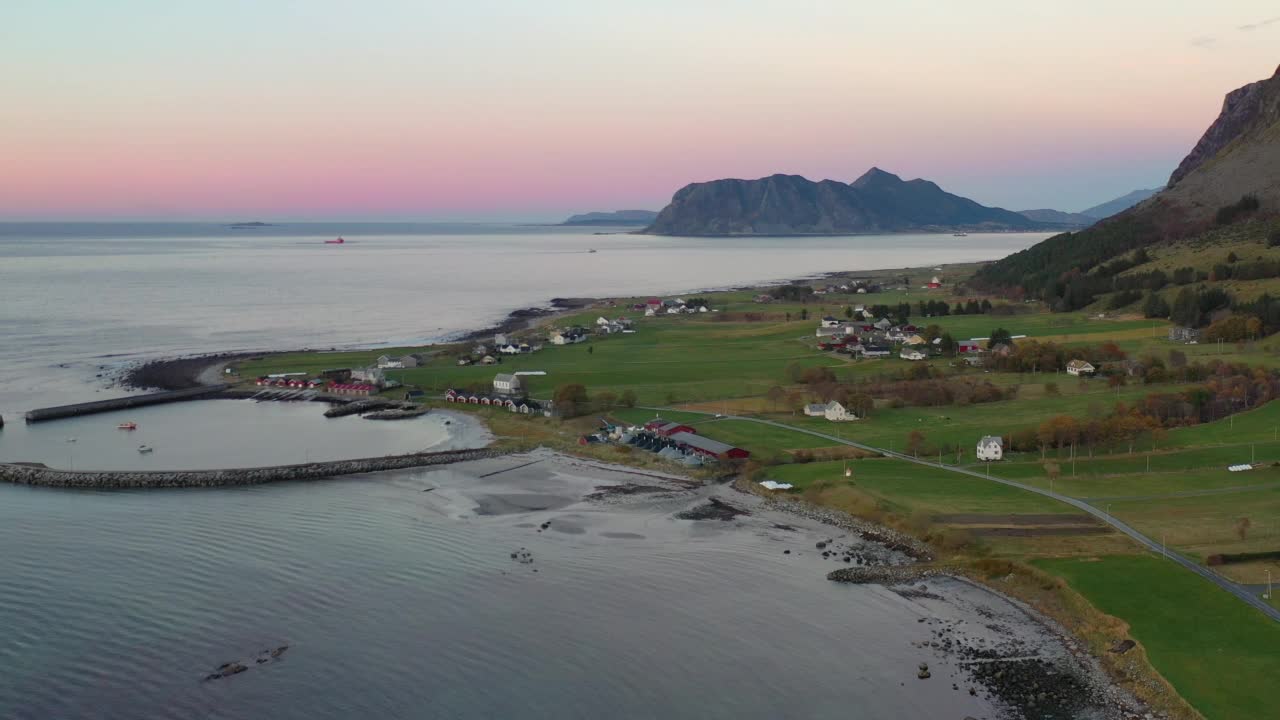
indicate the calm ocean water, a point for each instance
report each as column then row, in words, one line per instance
column 399, row 603
column 402, row 604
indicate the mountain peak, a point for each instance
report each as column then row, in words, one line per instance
column 1245, row 110
column 875, row 176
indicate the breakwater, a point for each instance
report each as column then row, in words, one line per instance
column 127, row 479
column 121, row 403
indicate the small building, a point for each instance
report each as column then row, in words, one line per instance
column 490, row 360
column 815, row 410
column 830, row 322
column 356, row 389
column 876, row 351
column 570, row 336
column 908, row 354
column 990, row 447
column 1184, row 335
column 763, row 298
column 1080, row 367
column 968, row 346
column 936, row 282
column 507, row 384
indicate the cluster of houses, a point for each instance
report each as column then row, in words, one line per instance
column 873, row 339
column 359, row 382
column 671, row 440
column 674, row 306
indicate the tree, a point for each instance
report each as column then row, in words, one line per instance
column 1000, row 336
column 606, row 400
column 776, row 395
column 628, row 398
column 571, row 400
column 817, row 375
column 591, row 349
column 948, row 344
column 915, row 442
column 804, row 313
column 1155, row 307
column 848, row 312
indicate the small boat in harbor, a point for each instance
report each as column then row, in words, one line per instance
column 144, row 449
column 591, row 250
column 127, row 426
column 338, row 241
column 960, row 234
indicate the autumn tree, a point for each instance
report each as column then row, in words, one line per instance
column 776, row 395
column 915, row 442
column 571, row 400
column 1242, row 527
column 628, row 398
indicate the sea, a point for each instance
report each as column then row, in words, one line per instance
column 397, row 593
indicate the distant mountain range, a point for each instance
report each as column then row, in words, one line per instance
column 1085, row 218
column 877, row 202
column 1232, row 174
column 1120, row 204
column 617, row 217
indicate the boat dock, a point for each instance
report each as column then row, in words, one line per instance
column 121, row 403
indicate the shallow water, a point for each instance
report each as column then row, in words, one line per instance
column 400, row 603
column 211, row 434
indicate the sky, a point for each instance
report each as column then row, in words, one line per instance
column 534, row 109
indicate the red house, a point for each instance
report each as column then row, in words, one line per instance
column 667, row 429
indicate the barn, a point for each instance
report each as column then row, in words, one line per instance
column 707, row 446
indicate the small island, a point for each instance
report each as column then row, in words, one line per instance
column 249, row 225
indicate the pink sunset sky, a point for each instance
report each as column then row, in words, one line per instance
column 390, row 109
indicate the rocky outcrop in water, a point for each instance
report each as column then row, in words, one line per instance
column 108, row 480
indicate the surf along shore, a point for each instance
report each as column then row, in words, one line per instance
column 731, row 358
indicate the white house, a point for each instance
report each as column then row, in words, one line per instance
column 1080, row 367
column 602, row 321
column 509, row 349
column 370, row 375
column 990, row 447
column 506, row 384
column 907, row 354
column 830, row 322
column 387, row 363
column 835, row 412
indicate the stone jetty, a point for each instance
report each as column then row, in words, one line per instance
column 124, row 480
column 121, row 403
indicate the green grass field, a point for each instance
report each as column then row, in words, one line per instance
column 1220, row 654
column 906, row 488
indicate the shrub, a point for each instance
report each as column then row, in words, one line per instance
column 1242, row 207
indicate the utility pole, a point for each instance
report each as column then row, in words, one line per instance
column 1163, row 551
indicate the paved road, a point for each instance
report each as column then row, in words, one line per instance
column 1239, row 591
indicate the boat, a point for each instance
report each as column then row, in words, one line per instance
column 591, row 250
column 144, row 449
column 960, row 234
column 127, row 426
column 338, row 241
